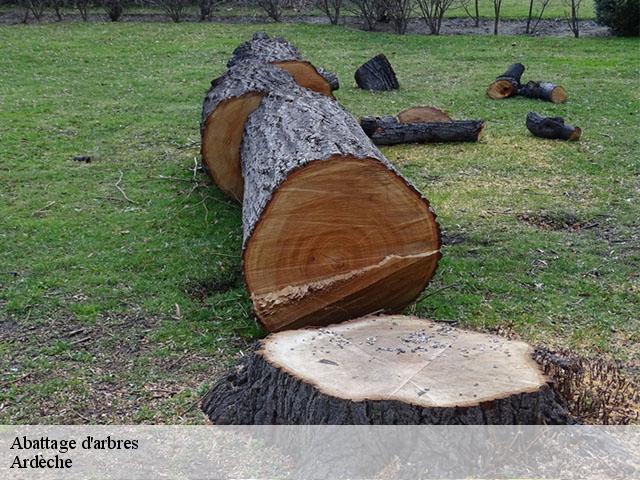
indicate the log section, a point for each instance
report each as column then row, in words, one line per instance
column 331, row 230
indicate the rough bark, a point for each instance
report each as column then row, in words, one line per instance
column 331, row 229
column 377, row 74
column 280, row 52
column 389, row 131
column 543, row 91
column 236, row 94
column 507, row 84
column 264, row 390
column 551, row 127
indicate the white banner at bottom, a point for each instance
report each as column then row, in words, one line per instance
column 122, row 452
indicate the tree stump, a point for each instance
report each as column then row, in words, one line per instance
column 377, row 74
column 553, row 128
column 386, row 370
column 281, row 53
column 331, row 230
column 227, row 105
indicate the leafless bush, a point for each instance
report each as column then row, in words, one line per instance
column 371, row 11
column 433, row 12
column 399, row 12
column 497, row 4
column 58, row 7
column 206, row 8
column 83, row 8
column 25, row 9
column 113, row 9
column 37, row 8
column 273, row 8
column 331, row 9
column 572, row 14
column 476, row 11
column 175, row 9
column 543, row 5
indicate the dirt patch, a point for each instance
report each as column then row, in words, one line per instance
column 556, row 221
column 450, row 26
column 202, row 289
column 452, row 238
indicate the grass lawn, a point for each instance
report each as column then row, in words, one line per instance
column 120, row 297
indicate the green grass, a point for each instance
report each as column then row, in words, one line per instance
column 123, row 311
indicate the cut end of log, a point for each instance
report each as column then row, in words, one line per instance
column 501, row 88
column 558, row 95
column 221, row 139
column 340, row 238
column 306, row 76
column 575, row 135
column 406, row 359
column 423, row 115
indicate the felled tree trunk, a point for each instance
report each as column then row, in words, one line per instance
column 331, row 230
column 543, row 91
column 377, row 74
column 386, row 370
column 553, row 128
column 281, row 53
column 390, row 131
column 507, row 84
column 228, row 103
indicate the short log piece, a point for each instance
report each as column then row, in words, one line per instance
column 552, row 128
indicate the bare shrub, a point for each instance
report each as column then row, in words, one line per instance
column 273, row 8
column 175, row 9
column 83, row 8
column 58, row 7
column 433, row 12
column 531, row 29
column 572, row 14
column 371, row 11
column 497, row 5
column 331, row 8
column 113, row 8
column 476, row 11
column 206, row 8
column 36, row 7
column 399, row 12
